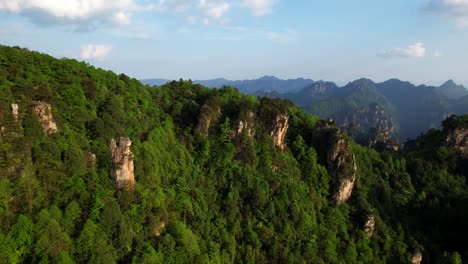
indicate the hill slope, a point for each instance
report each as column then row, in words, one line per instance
column 96, row 167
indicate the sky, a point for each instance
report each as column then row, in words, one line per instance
column 423, row 41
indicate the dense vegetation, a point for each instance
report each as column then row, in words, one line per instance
column 204, row 196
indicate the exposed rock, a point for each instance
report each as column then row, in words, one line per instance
column 91, row 159
column 457, row 139
column 245, row 125
column 334, row 152
column 210, row 113
column 122, row 159
column 44, row 113
column 14, row 111
column 346, row 184
column 417, row 258
column 370, row 125
column 158, row 229
column 381, row 139
column 369, row 225
column 279, row 131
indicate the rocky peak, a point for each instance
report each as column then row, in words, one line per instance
column 245, row 125
column 458, row 139
column 456, row 131
column 346, row 183
column 370, row 224
column 280, row 129
column 334, row 150
column 122, row 161
column 44, row 113
column 91, row 159
column 417, row 258
column 372, row 126
column 14, row 111
column 209, row 114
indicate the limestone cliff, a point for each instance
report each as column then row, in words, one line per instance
column 209, row 114
column 334, row 150
column 457, row 138
column 44, row 113
column 90, row 159
column 246, row 125
column 370, row 224
column 279, row 130
column 122, row 161
column 14, row 111
column 370, row 125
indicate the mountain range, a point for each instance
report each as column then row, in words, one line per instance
column 409, row 109
column 97, row 168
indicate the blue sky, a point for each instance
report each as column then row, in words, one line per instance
column 424, row 41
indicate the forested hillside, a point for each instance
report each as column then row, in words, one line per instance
column 97, row 168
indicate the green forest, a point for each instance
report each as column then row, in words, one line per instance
column 211, row 176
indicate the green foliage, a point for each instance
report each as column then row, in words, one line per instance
column 213, row 197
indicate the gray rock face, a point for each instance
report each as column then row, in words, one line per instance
column 346, row 183
column 44, row 113
column 370, row 225
column 209, row 115
column 14, row 111
column 280, row 130
column 334, row 150
column 90, row 159
column 458, row 139
column 122, row 160
column 245, row 125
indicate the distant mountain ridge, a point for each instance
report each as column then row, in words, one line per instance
column 410, row 109
column 262, row 84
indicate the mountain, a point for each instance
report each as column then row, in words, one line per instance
column 412, row 109
column 261, row 85
column 155, row 82
column 96, row 167
column 451, row 90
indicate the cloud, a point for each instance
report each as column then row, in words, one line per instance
column 456, row 10
column 79, row 13
column 214, row 9
column 92, row 51
column 260, row 7
column 416, row 50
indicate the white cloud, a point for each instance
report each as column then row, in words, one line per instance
column 214, row 9
column 80, row 13
column 416, row 50
column 92, row 51
column 456, row 10
column 260, row 7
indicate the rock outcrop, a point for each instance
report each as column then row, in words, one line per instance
column 14, row 112
column 90, row 159
column 122, row 161
column 370, row 224
column 44, row 113
column 279, row 131
column 245, row 125
column 371, row 126
column 210, row 113
column 158, row 229
column 346, row 183
column 334, row 152
column 417, row 258
column 457, row 139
